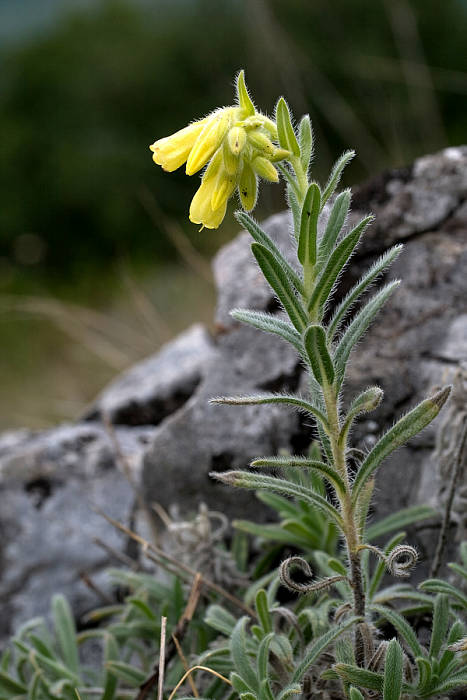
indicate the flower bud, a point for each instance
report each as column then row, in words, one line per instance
column 261, row 142
column 236, row 138
column 265, row 169
column 248, row 187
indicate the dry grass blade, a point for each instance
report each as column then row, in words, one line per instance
column 197, row 668
column 160, row 685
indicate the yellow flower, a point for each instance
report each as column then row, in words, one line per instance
column 172, row 151
column 236, row 144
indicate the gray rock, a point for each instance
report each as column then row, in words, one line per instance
column 47, row 480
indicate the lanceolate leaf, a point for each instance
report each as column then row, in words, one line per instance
column 285, row 130
column 456, row 680
column 334, row 226
column 335, row 265
column 291, row 400
column 349, row 300
column 292, row 200
column 319, row 645
column 306, row 141
column 360, row 676
column 270, row 324
column 434, row 585
column 408, row 426
column 402, row 626
column 244, row 99
column 314, row 341
column 260, row 236
column 336, row 175
column 277, row 278
column 292, row 462
column 358, row 326
column 440, row 623
column 247, row 480
column 239, row 654
column 401, row 518
column 309, row 226
column 66, row 632
column 393, row 670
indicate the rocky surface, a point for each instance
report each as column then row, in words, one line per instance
column 168, row 436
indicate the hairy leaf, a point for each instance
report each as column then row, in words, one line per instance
column 303, row 462
column 270, row 324
column 309, row 226
column 320, row 360
column 393, row 670
column 287, row 399
column 334, row 226
column 402, row 626
column 335, row 176
column 402, row 518
column 305, row 141
column 285, row 130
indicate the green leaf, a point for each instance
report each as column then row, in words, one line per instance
column 360, row 676
column 57, row 669
column 440, row 624
column 66, row 632
column 320, row 360
column 262, row 610
column 335, row 176
column 280, row 283
column 285, row 130
column 457, row 680
column 288, row 399
column 306, row 141
column 355, row 694
column 402, row 626
column 402, row 518
column 424, row 673
column 405, row 428
column 220, row 619
column 292, row 199
column 292, row 689
column 336, row 263
column 246, row 480
column 270, row 324
column 131, row 675
column 358, row 326
column 302, row 462
column 365, row 402
column 334, row 226
column 34, row 686
column 263, row 655
column 110, row 654
column 309, row 226
column 244, row 99
column 240, row 656
column 434, row 585
column 283, row 506
column 362, row 285
column 275, row 533
column 393, row 670
column 319, row 645
column 455, row 634
column 10, row 685
column 261, row 237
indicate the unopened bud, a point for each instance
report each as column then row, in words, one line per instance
column 261, row 142
column 248, row 187
column 236, row 138
column 265, row 169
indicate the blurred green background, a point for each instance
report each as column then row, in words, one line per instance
column 98, row 262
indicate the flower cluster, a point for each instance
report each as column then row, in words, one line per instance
column 236, row 144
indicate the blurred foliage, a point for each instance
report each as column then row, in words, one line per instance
column 79, row 106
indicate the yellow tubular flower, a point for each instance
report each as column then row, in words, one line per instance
column 172, row 151
column 208, row 141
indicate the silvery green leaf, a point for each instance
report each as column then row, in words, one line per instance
column 319, row 358
column 402, row 626
column 65, row 630
column 262, row 659
column 439, row 627
column 303, row 462
column 262, row 610
column 305, row 141
column 269, row 324
column 220, row 619
column 317, row 647
column 393, row 671
column 378, row 267
column 358, row 326
column 457, row 680
column 247, row 480
column 402, row 518
column 434, row 585
column 260, row 236
column 405, row 428
column 288, row 399
column 10, row 687
column 280, row 283
column 359, row 676
column 336, row 263
column 240, row 657
column 334, row 226
column 335, row 176
column 285, row 130
column 307, row 238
